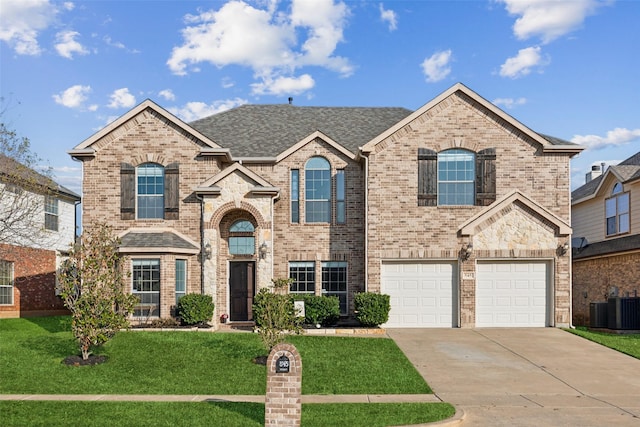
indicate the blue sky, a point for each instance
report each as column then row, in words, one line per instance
column 564, row 68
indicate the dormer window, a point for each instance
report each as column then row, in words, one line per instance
column 617, row 211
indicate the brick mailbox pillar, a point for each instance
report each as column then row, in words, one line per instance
column 283, row 406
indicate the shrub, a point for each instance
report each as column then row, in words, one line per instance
column 274, row 314
column 92, row 286
column 372, row 309
column 195, row 308
column 320, row 309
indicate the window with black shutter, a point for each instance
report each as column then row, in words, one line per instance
column 127, row 191
column 427, row 178
column 172, row 191
column 486, row 177
column 457, row 189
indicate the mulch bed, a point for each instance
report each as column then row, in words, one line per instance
column 260, row 360
column 79, row 361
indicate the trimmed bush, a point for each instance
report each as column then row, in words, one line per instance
column 321, row 310
column 372, row 309
column 195, row 308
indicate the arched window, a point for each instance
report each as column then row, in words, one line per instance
column 150, row 191
column 317, row 190
column 241, row 238
column 456, row 177
column 617, row 211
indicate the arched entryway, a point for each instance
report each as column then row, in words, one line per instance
column 238, row 230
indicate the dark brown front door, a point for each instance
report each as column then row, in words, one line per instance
column 241, row 290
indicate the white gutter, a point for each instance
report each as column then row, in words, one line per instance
column 366, row 223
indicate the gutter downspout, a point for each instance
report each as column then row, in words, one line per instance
column 366, row 223
column 202, row 255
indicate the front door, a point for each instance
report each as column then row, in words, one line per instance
column 241, row 290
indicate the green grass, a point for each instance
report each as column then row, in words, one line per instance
column 228, row 414
column 32, row 352
column 624, row 343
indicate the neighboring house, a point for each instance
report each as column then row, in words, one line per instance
column 456, row 210
column 606, row 246
column 37, row 229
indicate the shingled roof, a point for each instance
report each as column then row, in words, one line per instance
column 627, row 170
column 14, row 172
column 621, row 244
column 267, row 130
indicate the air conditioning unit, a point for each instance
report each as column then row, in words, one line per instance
column 623, row 313
column 598, row 315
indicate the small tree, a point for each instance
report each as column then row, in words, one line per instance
column 275, row 314
column 92, row 287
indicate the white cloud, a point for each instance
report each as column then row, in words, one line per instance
column 615, row 137
column 121, row 98
column 167, row 94
column 509, row 102
column 22, row 20
column 284, row 85
column 272, row 43
column 521, row 64
column 390, row 17
column 109, row 41
column 73, row 97
column 66, row 44
column 436, row 67
column 227, row 82
column 549, row 19
column 196, row 110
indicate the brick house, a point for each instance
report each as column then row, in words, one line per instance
column 37, row 231
column 606, row 251
column 456, row 210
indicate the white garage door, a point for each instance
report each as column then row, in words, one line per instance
column 512, row 294
column 422, row 294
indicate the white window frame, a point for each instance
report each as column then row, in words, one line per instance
column 181, row 281
column 51, row 213
column 612, row 211
column 149, row 196
column 7, row 281
column 139, row 310
column 295, row 287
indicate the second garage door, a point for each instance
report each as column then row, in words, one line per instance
column 512, row 294
column 422, row 294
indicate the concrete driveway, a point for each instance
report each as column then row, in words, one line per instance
column 526, row 377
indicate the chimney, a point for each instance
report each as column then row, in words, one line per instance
column 596, row 171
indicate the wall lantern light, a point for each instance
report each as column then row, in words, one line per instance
column 207, row 250
column 264, row 250
column 466, row 251
column 563, row 249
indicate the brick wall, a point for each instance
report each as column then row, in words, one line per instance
column 34, row 282
column 149, row 138
column 400, row 229
column 593, row 278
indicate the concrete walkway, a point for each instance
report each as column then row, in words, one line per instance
column 526, row 377
column 333, row 398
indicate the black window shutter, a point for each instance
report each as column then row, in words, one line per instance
column 172, row 191
column 127, row 191
column 427, row 177
column 486, row 177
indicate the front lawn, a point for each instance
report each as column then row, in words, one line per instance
column 139, row 362
column 207, row 414
column 624, row 343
